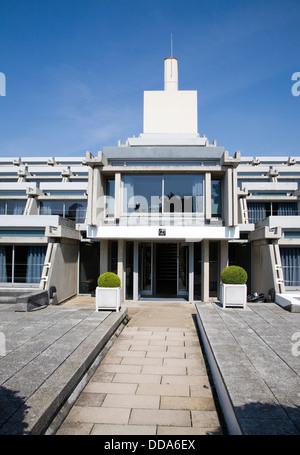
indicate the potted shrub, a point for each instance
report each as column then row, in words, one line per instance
column 108, row 292
column 233, row 286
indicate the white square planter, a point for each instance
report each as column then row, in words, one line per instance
column 233, row 295
column 108, row 298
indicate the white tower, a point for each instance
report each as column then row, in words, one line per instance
column 170, row 115
column 170, row 111
column 171, row 74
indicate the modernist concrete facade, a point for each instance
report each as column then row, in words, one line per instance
column 167, row 211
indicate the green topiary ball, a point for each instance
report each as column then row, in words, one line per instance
column 109, row 280
column 234, row 275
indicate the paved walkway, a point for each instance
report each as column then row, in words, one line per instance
column 152, row 381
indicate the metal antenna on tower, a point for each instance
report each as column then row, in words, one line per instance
column 171, row 46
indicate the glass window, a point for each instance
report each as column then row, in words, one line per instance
column 290, row 260
column 89, row 266
column 216, row 198
column 183, row 193
column 129, row 270
column 114, row 256
column 73, row 210
column 142, row 193
column 52, row 208
column 213, row 268
column 5, row 264
column 110, row 197
column 21, row 264
column 169, row 193
column 197, row 270
column 12, row 207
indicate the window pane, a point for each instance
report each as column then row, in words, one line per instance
column 75, row 211
column 110, row 197
column 29, row 261
column 197, row 270
column 142, row 193
column 51, row 208
column 15, row 207
column 183, row 193
column 290, row 259
column 5, row 264
column 216, row 198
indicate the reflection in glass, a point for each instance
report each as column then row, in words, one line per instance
column 138, row 190
column 21, row 264
column 183, row 267
column 12, row 207
column 213, row 268
column 183, row 193
column 129, row 270
column 197, row 270
column 145, row 267
column 73, row 210
column 216, row 198
column 110, row 197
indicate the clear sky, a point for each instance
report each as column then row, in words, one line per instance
column 76, row 71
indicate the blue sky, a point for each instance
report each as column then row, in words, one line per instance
column 76, row 71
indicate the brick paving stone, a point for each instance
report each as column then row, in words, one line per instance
column 91, row 414
column 163, row 389
column 149, row 348
column 166, row 343
column 141, row 361
column 183, row 379
column 132, row 401
column 160, row 417
column 123, row 430
column 164, row 370
column 165, row 354
column 137, row 378
column 132, row 369
column 75, row 429
column 205, row 419
column 90, row 399
column 119, row 353
column 182, row 431
column 187, row 403
column 111, row 387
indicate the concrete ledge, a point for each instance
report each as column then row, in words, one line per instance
column 290, row 302
column 223, row 394
column 38, row 412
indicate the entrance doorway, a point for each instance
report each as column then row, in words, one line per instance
column 163, row 270
column 166, row 270
column 89, row 266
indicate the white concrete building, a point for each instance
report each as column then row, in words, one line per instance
column 167, row 211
